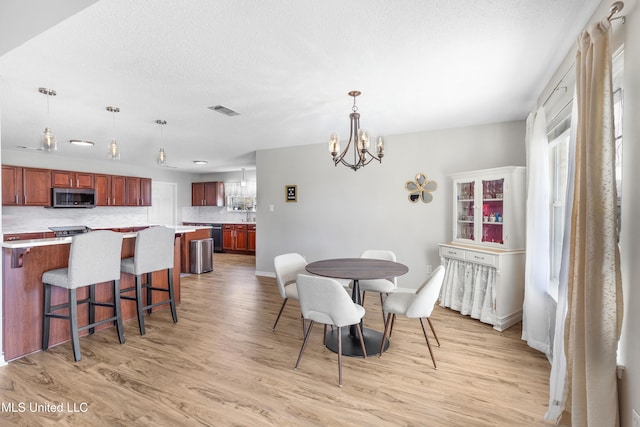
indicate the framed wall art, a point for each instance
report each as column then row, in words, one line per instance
column 291, row 193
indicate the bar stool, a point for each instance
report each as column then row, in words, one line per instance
column 153, row 252
column 94, row 257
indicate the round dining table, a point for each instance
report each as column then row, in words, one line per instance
column 357, row 269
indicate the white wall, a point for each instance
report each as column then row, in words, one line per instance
column 340, row 213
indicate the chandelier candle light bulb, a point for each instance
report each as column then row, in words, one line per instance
column 360, row 139
column 380, row 147
column 334, row 144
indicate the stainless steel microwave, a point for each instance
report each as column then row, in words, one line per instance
column 73, row 198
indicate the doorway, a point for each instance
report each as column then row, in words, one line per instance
column 164, row 203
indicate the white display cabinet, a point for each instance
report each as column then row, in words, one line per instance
column 488, row 207
column 484, row 263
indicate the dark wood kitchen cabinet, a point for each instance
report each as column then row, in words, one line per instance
column 145, row 191
column 207, row 194
column 36, row 187
column 22, row 186
column 138, row 191
column 12, row 186
column 25, row 186
column 234, row 237
column 110, row 190
column 251, row 238
column 69, row 179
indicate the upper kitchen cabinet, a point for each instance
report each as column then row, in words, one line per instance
column 26, row 186
column 110, row 190
column 22, row 186
column 145, row 191
column 207, row 194
column 12, row 186
column 488, row 207
column 36, row 187
column 138, row 191
column 68, row 179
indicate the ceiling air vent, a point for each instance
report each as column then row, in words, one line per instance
column 224, row 110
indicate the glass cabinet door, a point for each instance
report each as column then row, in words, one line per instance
column 465, row 211
column 492, row 210
column 489, row 208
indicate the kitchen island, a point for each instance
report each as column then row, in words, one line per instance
column 24, row 261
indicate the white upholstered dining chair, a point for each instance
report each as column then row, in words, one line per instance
column 417, row 305
column 382, row 286
column 324, row 300
column 287, row 267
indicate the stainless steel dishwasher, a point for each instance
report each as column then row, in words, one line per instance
column 216, row 234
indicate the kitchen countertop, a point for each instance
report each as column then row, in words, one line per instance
column 30, row 243
column 220, row 222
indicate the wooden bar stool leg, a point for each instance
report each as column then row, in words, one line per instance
column 92, row 307
column 117, row 310
column 172, row 298
column 139, row 308
column 149, row 292
column 324, row 338
column 73, row 324
column 46, row 320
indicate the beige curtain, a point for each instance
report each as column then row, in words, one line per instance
column 594, row 316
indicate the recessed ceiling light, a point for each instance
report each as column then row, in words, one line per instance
column 200, row 162
column 82, row 142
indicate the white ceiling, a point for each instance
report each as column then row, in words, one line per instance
column 285, row 65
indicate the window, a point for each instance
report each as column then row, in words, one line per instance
column 558, row 159
column 558, row 164
column 617, row 121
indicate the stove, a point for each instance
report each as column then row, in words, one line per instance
column 69, row 230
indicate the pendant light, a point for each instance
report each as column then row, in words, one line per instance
column 113, row 151
column 162, row 156
column 48, row 139
column 243, row 182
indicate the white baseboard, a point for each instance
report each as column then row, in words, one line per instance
column 265, row 273
column 506, row 322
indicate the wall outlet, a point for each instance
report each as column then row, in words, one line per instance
column 635, row 418
column 430, row 269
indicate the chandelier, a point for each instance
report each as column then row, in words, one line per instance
column 48, row 140
column 360, row 139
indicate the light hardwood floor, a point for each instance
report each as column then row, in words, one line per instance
column 222, row 365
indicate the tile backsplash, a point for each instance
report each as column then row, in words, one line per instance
column 21, row 219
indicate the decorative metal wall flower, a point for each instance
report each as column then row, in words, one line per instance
column 421, row 188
